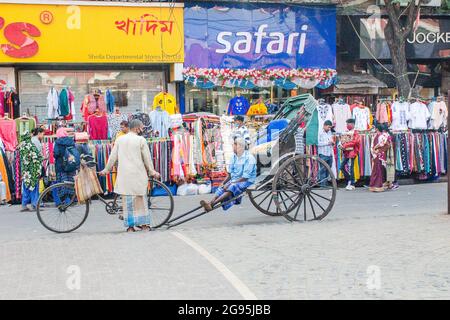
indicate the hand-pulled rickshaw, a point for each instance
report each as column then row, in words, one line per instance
column 288, row 183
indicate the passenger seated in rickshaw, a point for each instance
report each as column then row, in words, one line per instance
column 241, row 175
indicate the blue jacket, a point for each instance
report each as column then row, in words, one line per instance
column 60, row 149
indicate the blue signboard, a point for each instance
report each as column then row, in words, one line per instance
column 260, row 36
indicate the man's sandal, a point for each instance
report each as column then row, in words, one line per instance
column 131, row 229
column 145, row 228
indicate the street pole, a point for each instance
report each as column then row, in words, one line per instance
column 448, row 156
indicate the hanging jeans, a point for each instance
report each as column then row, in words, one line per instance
column 349, row 176
column 323, row 171
column 29, row 196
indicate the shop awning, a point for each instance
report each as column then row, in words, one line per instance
column 357, row 83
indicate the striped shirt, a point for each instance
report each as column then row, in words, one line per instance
column 324, row 145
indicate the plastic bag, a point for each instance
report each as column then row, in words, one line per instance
column 87, row 184
column 187, row 189
column 204, row 189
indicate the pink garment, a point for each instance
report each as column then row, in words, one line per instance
column 8, row 134
column 2, row 102
column 382, row 113
column 93, row 104
column 61, row 133
column 98, row 127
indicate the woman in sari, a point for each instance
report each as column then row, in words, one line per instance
column 380, row 145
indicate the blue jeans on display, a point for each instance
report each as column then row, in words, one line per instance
column 349, row 176
column 323, row 174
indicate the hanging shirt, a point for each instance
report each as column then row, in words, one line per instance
column 341, row 114
column 8, row 134
column 166, row 102
column 400, row 115
column 114, row 120
column 2, row 104
column 418, row 115
column 362, row 118
column 64, row 106
column 325, row 112
column 439, row 115
column 12, row 104
column 257, row 109
column 71, row 105
column 98, row 127
column 145, row 119
column 160, row 121
column 110, row 101
column 52, row 104
column 382, row 113
column 238, row 106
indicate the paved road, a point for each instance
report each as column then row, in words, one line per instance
column 371, row 246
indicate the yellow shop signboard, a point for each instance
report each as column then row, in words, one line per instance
column 47, row 33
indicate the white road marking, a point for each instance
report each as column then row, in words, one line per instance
column 227, row 273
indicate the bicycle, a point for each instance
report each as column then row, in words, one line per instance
column 66, row 214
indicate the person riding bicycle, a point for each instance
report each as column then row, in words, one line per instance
column 242, row 174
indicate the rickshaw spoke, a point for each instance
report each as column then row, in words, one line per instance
column 264, row 199
column 298, row 171
column 325, row 198
column 259, row 195
column 317, row 202
column 270, row 203
column 283, row 202
column 293, row 184
column 293, row 202
column 293, row 176
column 304, row 208
column 299, row 206
column 312, row 206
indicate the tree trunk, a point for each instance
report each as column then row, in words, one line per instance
column 396, row 33
column 398, row 56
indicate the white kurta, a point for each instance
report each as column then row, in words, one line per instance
column 52, row 104
column 135, row 165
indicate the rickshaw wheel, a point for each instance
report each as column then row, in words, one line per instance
column 300, row 195
column 262, row 200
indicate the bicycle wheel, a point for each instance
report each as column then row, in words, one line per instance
column 161, row 207
column 58, row 209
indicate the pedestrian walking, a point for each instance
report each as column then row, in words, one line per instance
column 379, row 148
column 132, row 154
column 325, row 150
column 350, row 146
column 31, row 169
